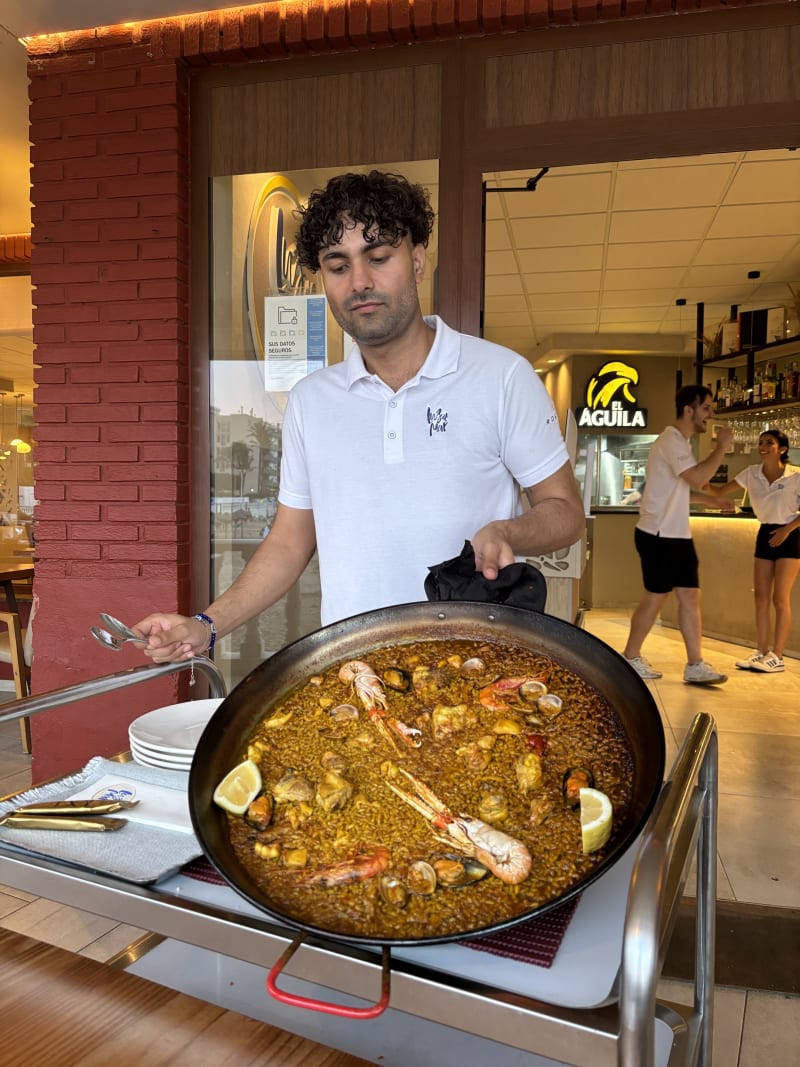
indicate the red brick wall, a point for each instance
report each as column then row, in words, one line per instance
column 110, row 266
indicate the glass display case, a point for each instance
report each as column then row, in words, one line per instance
column 610, row 469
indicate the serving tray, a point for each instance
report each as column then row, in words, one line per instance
column 139, row 852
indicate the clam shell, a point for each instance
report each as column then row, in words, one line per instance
column 421, row 878
column 392, row 890
column 550, row 704
column 530, row 691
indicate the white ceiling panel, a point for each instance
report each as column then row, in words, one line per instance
column 681, row 224
column 571, row 257
column 762, row 182
column 559, row 231
column 749, row 221
column 544, row 302
column 508, row 301
column 654, row 298
column 558, row 194
column 564, row 281
column 505, row 287
column 500, row 319
column 641, row 254
column 644, row 278
column 734, row 275
column 728, row 250
column 558, row 320
column 501, row 262
column 671, row 187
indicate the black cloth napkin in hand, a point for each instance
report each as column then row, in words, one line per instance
column 519, row 585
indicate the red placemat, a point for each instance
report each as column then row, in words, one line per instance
column 202, row 870
column 536, row 941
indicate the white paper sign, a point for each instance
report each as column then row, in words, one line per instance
column 295, row 339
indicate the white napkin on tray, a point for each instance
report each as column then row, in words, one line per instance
column 158, row 805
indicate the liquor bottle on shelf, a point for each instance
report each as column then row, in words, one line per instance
column 756, row 394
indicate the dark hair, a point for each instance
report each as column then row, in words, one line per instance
column 783, row 442
column 387, row 205
column 690, row 396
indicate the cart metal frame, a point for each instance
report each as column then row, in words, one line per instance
column 683, row 825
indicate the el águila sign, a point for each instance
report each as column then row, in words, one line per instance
column 610, row 402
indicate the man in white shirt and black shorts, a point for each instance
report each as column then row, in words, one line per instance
column 663, row 537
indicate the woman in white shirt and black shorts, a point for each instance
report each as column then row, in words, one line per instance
column 774, row 491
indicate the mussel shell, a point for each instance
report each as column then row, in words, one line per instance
column 421, row 878
column 259, row 812
column 398, row 679
column 393, row 890
column 575, row 779
column 455, row 871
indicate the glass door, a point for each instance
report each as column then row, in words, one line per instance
column 262, row 307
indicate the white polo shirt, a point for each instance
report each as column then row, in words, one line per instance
column 398, row 481
column 778, row 502
column 664, row 507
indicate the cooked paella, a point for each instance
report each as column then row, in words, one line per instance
column 435, row 787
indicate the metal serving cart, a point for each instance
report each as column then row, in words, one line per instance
column 595, row 1006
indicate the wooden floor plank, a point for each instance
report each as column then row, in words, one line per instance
column 60, row 1008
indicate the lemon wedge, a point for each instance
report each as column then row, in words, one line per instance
column 596, row 819
column 238, row 788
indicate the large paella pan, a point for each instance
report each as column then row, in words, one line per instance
column 447, row 684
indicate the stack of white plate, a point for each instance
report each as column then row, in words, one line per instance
column 167, row 737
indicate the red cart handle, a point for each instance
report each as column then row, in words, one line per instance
column 341, row 1010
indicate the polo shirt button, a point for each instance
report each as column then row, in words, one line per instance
column 392, row 436
column 392, row 403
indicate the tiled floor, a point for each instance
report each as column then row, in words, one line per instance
column 758, row 718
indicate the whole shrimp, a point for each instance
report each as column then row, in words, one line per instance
column 369, row 689
column 504, row 855
column 356, row 869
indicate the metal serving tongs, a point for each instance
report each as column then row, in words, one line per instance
column 68, row 815
column 116, row 633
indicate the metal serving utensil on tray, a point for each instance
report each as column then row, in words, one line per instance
column 116, row 633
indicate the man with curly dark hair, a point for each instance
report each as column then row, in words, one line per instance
column 386, row 205
column 420, row 439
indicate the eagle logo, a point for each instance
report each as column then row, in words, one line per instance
column 612, row 378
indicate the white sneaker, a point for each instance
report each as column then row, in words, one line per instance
column 749, row 664
column 642, row 667
column 769, row 664
column 702, row 673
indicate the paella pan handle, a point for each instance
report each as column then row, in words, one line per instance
column 342, row 1010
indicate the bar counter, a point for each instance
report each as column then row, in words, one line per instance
column 724, row 543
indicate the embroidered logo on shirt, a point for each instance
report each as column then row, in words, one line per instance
column 437, row 421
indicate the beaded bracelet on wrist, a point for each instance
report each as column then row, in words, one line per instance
column 210, row 627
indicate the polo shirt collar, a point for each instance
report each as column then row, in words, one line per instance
column 441, row 360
